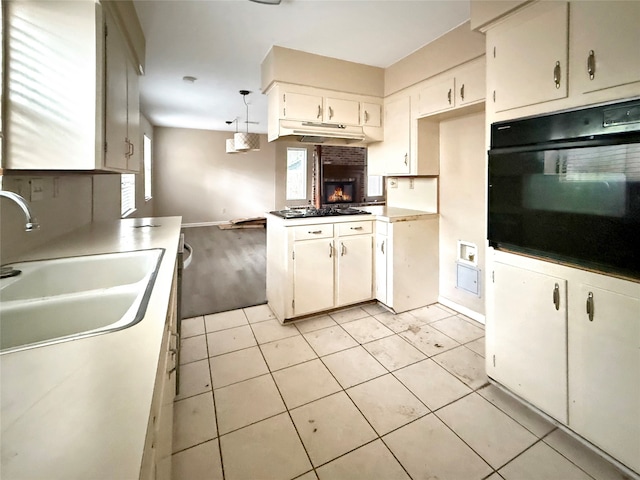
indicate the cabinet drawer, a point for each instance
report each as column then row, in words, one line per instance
column 354, row 228
column 307, row 232
column 382, row 228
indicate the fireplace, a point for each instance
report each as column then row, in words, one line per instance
column 339, row 191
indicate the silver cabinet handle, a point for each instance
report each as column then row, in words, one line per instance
column 315, row 232
column 319, row 111
column 330, row 113
column 355, row 228
column 330, row 250
column 556, row 296
column 590, row 306
column 366, row 117
column 461, row 92
column 406, row 159
column 557, row 74
column 343, row 249
column 591, row 64
column 382, row 246
column 449, row 96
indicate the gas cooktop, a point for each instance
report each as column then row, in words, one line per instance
column 318, row 212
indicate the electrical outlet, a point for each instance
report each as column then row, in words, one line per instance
column 411, row 184
column 393, row 182
column 56, row 187
column 37, row 189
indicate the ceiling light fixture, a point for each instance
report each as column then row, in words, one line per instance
column 245, row 142
column 230, row 144
column 267, row 2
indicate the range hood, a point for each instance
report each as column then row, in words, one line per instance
column 315, row 132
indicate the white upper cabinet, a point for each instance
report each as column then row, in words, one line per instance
column 465, row 85
column 605, row 45
column 437, row 96
column 310, row 104
column 370, row 114
column 527, row 56
column 71, row 92
column 341, row 111
column 300, row 106
column 393, row 155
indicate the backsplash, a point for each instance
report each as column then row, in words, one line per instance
column 66, row 205
column 416, row 193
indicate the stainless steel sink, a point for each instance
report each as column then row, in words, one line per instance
column 65, row 299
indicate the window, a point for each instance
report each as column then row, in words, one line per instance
column 296, row 174
column 146, row 151
column 374, row 186
column 128, row 193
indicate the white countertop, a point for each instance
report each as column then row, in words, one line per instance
column 79, row 409
column 378, row 212
column 395, row 214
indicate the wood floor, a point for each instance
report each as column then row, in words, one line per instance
column 228, row 270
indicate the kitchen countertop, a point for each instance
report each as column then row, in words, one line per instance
column 79, row 409
column 378, row 212
column 395, row 214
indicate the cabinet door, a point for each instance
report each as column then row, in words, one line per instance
column 397, row 127
column 313, row 276
column 346, row 112
column 300, row 106
column 370, row 114
column 437, row 97
column 117, row 150
column 610, row 30
column 381, row 268
column 133, row 119
column 527, row 56
column 471, row 85
column 604, row 371
column 355, row 269
column 530, row 337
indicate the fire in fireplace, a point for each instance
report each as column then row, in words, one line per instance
column 339, row 191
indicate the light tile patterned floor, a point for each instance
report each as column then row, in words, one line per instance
column 357, row 394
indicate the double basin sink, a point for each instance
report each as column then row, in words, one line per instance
column 63, row 299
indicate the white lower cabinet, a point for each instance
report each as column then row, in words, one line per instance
column 382, row 247
column 318, row 266
column 156, row 459
column 604, row 370
column 313, row 278
column 568, row 341
column 407, row 263
column 354, row 274
column 530, row 325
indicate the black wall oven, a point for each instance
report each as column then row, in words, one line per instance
column 567, row 186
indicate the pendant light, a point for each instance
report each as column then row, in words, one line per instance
column 245, row 142
column 230, row 144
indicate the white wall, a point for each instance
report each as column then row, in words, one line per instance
column 64, row 208
column 196, row 179
column 417, row 193
column 462, row 202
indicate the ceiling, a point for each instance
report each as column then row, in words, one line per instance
column 223, row 42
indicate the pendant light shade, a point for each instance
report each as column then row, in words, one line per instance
column 245, row 142
column 231, row 146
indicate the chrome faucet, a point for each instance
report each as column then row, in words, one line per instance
column 32, row 223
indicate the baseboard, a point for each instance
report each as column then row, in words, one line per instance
column 478, row 317
column 203, row 224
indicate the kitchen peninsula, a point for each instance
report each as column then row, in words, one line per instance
column 316, row 264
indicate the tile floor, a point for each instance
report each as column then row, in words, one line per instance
column 356, row 394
